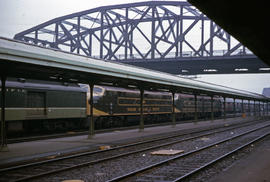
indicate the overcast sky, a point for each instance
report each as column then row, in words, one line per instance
column 19, row 15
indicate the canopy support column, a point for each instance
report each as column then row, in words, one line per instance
column 262, row 109
column 259, row 108
column 249, row 111
column 254, row 108
column 212, row 108
column 141, row 128
column 173, row 109
column 224, row 106
column 196, row 108
column 267, row 108
column 242, row 108
column 3, row 134
column 91, row 132
column 234, row 108
column 264, row 114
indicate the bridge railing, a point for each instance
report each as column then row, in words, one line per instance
column 187, row 55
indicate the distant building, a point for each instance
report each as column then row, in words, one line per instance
column 266, row 92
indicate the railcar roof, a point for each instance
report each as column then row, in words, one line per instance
column 43, row 86
column 43, row 63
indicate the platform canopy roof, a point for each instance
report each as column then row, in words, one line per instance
column 19, row 59
column 246, row 20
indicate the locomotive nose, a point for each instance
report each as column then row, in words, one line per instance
column 96, row 98
column 98, row 92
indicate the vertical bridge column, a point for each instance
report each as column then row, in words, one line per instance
column 91, row 132
column 3, row 134
column 173, row 109
column 141, row 128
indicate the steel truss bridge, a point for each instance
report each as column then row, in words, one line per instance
column 169, row 36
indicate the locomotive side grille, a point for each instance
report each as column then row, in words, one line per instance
column 36, row 100
column 125, row 101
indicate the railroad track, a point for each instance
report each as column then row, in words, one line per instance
column 99, row 158
column 186, row 165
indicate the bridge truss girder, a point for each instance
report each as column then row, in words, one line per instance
column 212, row 65
column 145, row 30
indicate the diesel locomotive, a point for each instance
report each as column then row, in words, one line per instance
column 116, row 107
column 35, row 106
column 42, row 106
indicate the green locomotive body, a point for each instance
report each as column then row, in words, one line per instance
column 43, row 106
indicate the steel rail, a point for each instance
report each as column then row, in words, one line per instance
column 136, row 172
column 220, row 158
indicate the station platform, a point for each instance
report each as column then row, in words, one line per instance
column 51, row 148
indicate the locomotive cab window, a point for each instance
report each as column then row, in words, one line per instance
column 97, row 90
